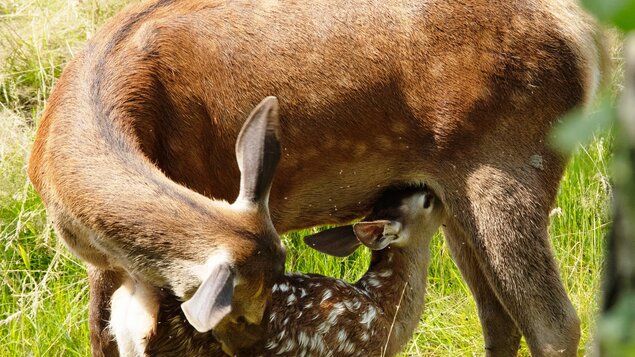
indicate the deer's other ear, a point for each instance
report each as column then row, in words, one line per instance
column 377, row 235
column 258, row 152
column 213, row 299
column 338, row 241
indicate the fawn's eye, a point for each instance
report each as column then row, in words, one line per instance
column 427, row 200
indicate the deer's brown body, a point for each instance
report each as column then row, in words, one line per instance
column 460, row 94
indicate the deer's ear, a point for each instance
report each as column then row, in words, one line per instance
column 258, row 152
column 338, row 241
column 378, row 234
column 213, row 299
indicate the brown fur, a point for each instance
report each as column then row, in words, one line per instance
column 372, row 93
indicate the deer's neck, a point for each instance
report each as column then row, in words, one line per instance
column 396, row 280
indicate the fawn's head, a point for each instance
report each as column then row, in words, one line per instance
column 237, row 279
column 401, row 217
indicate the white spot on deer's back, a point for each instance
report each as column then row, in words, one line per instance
column 327, row 294
column 271, row 344
column 368, row 316
column 281, row 335
column 323, row 328
column 347, row 347
column 284, row 287
column 374, row 282
column 365, row 336
column 338, row 309
column 286, row 347
column 352, row 305
column 342, row 336
column 291, row 300
column 317, row 345
column 386, row 273
column 303, row 339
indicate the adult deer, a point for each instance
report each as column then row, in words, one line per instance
column 460, row 95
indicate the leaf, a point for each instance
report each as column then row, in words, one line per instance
column 579, row 126
column 617, row 328
column 25, row 257
column 620, row 13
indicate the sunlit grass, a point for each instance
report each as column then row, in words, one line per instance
column 43, row 301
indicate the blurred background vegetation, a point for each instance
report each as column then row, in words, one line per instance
column 616, row 326
column 44, row 294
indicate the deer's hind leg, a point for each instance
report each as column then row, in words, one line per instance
column 503, row 211
column 502, row 336
column 103, row 284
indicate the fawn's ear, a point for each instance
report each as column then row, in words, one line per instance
column 213, row 299
column 377, row 235
column 258, row 152
column 338, row 241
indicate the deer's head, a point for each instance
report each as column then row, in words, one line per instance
column 237, row 279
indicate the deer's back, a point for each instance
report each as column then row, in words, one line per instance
column 372, row 93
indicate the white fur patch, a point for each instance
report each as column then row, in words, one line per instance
column 368, row 316
column 291, row 300
column 327, row 294
column 134, row 310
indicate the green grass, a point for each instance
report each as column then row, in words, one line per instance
column 44, row 295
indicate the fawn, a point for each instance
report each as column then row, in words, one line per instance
column 313, row 315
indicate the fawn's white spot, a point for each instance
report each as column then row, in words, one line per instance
column 368, row 316
column 327, row 294
column 271, row 344
column 346, row 347
column 353, row 305
column 317, row 344
column 386, row 273
column 287, row 347
column 303, row 339
column 342, row 336
column 291, row 300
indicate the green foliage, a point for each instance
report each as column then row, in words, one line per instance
column 617, row 329
column 620, row 13
column 581, row 125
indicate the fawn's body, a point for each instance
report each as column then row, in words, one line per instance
column 312, row 315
